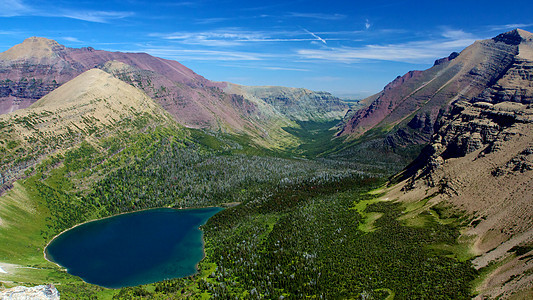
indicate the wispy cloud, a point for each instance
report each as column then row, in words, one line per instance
column 71, row 39
column 17, row 8
column 316, row 36
column 211, row 20
column 509, row 26
column 367, row 24
column 235, row 37
column 13, row 8
column 319, row 16
column 456, row 34
column 182, row 3
column 286, row 69
column 216, row 38
column 411, row 52
column 261, row 66
column 9, row 32
column 92, row 16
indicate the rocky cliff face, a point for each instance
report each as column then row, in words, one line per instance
column 409, row 106
column 480, row 160
column 297, row 104
column 40, row 292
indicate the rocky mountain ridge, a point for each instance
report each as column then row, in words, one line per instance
column 409, row 106
column 37, row 66
column 92, row 106
column 297, row 104
column 480, row 161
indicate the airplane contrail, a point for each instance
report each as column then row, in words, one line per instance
column 316, row 36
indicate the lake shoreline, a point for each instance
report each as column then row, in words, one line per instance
column 222, row 206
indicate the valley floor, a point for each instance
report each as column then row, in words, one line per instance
column 302, row 228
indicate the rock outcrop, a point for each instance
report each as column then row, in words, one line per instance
column 480, row 161
column 40, row 292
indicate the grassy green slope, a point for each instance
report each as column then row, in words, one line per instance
column 124, row 173
column 304, row 226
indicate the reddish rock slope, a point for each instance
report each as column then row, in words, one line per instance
column 409, row 106
column 34, row 68
column 37, row 66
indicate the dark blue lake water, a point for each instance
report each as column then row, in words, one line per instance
column 135, row 248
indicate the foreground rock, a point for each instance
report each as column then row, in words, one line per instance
column 40, row 292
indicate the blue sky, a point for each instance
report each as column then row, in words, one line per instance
column 349, row 48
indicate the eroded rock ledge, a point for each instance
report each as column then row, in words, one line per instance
column 40, row 292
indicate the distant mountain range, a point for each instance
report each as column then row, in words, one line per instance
column 37, row 66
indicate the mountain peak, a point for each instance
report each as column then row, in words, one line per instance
column 514, row 37
column 94, row 84
column 38, row 39
column 526, row 35
column 33, row 47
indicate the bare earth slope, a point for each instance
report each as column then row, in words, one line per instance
column 38, row 65
column 32, row 69
column 480, row 161
column 92, row 106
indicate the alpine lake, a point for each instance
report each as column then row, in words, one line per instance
column 134, row 248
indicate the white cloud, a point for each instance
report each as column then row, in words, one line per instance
column 93, row 16
column 509, row 26
column 412, row 52
column 211, row 20
column 71, row 39
column 262, row 66
column 8, row 32
column 235, row 37
column 217, row 38
column 285, row 69
column 15, row 8
column 456, row 34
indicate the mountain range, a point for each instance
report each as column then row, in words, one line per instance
column 37, row 66
column 479, row 159
column 468, row 120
